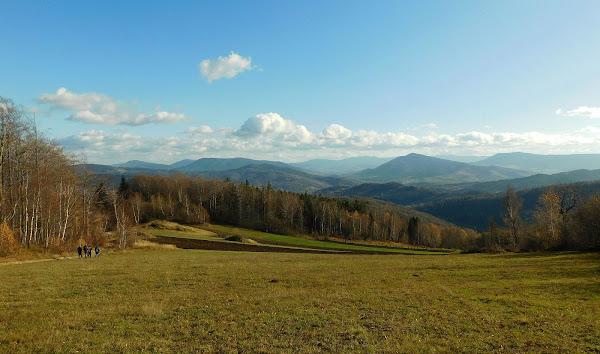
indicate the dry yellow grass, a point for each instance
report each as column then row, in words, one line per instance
column 145, row 244
column 210, row 301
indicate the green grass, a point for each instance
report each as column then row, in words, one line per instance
column 310, row 243
column 181, row 301
column 200, row 234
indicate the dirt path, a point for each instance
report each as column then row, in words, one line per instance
column 34, row 261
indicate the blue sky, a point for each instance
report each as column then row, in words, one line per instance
column 165, row 81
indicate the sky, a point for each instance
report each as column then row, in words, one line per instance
column 163, row 81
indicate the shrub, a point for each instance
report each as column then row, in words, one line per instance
column 8, row 243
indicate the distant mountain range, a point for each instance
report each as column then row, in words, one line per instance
column 340, row 167
column 421, row 169
column 216, row 164
column 466, row 194
column 543, row 163
column 443, row 176
column 411, row 195
column 279, row 175
column 144, row 165
column 538, row 180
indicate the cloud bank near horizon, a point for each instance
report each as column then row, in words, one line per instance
column 94, row 108
column 271, row 136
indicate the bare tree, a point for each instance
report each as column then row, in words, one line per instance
column 511, row 208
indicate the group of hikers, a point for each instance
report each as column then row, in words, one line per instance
column 86, row 251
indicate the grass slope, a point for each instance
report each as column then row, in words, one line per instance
column 311, row 243
column 182, row 301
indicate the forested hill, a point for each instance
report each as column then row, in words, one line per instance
column 391, row 192
column 340, row 167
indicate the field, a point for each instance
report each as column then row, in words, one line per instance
column 213, row 301
column 267, row 241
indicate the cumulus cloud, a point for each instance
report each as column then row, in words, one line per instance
column 336, row 132
column 273, row 126
column 225, row 67
column 583, row 111
column 95, row 108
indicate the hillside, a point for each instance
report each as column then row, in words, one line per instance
column 181, row 163
column 143, row 164
column 543, row 163
column 340, row 167
column 280, row 177
column 538, row 180
column 391, row 192
column 419, row 169
column 404, row 211
column 218, row 164
column 459, row 158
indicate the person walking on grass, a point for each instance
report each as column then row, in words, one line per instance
column 79, row 250
column 85, row 251
column 97, row 250
column 89, row 252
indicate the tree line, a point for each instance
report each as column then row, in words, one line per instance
column 564, row 220
column 196, row 200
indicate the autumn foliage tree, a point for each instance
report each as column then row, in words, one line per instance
column 43, row 201
column 548, row 216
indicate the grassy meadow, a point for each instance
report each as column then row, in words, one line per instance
column 213, row 301
column 292, row 241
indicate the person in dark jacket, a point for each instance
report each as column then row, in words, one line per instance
column 79, row 250
column 97, row 250
column 85, row 251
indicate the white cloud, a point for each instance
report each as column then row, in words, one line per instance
column 274, row 126
column 72, row 101
column 336, row 132
column 270, row 136
column 126, row 118
column 583, row 111
column 201, row 130
column 93, row 108
column 225, row 67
